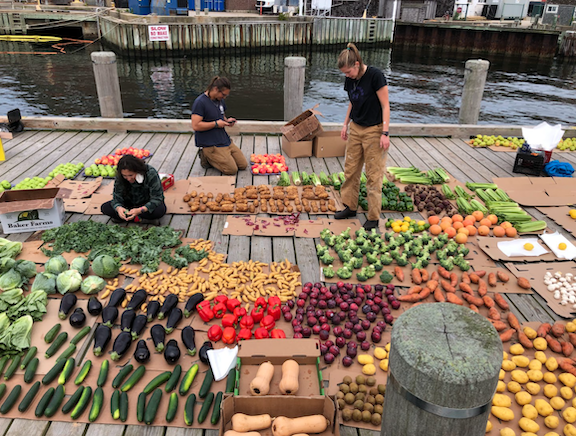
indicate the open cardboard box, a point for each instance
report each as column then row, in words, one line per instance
column 304, row 127
column 329, row 144
column 294, row 149
column 32, row 209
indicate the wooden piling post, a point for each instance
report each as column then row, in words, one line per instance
column 443, row 371
column 107, row 85
column 475, row 74
column 294, row 69
column 568, row 44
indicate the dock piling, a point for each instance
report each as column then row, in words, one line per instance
column 107, row 84
column 294, row 69
column 475, row 74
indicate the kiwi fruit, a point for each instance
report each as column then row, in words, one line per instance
column 378, row 409
column 347, row 380
column 363, row 389
column 356, row 415
column 359, row 404
column 341, row 404
column 354, row 388
column 346, row 414
column 369, row 407
column 360, row 396
column 370, row 399
column 366, row 416
column 375, row 419
column 374, row 391
column 382, row 389
column 379, row 399
column 340, row 395
column 344, row 388
column 349, row 398
column 371, row 381
column 360, row 379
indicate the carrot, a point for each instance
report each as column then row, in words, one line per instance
column 439, row 296
column 543, row 330
column 513, row 321
column 416, row 276
column 399, row 273
column 572, row 338
column 432, row 284
column 425, row 293
column 414, row 290
column 464, row 287
column 447, row 286
column 500, row 301
column 434, row 276
column 499, row 325
column 474, row 308
column 413, row 298
column 482, row 288
column 488, row 301
column 558, row 329
column 480, row 273
column 474, row 277
column 444, row 273
column 425, row 275
column 492, row 280
column 494, row 314
column 453, row 298
column 524, row 340
column 553, row 344
column 465, row 278
column 453, row 279
column 507, row 335
column 567, row 348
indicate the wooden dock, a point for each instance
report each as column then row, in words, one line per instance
column 35, row 153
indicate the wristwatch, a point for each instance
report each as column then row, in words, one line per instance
column 386, row 133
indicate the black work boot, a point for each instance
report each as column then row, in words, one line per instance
column 346, row 213
column 371, row 224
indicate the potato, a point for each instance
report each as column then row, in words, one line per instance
column 569, row 414
column 384, row 364
column 540, row 344
column 528, row 425
column 535, row 375
column 530, row 332
column 380, row 353
column 387, row 347
column 508, row 365
column 488, row 426
column 535, row 364
column 501, row 386
column 540, row 356
column 529, row 411
column 501, row 374
column 550, row 391
column 567, row 379
column 569, row 430
column 528, row 433
column 369, row 369
column 543, row 407
column 507, row 431
column 551, row 364
column 557, row 403
column 365, row 359
column 504, row 355
column 551, row 421
column 523, row 398
column 514, row 387
column 570, row 327
column 516, row 349
column 521, row 361
column 551, row 433
column 533, row 388
column 503, row 413
column 550, row 377
column 520, row 376
column 566, row 393
column 501, row 400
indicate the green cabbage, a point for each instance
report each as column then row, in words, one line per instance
column 4, row 322
column 10, row 280
column 56, row 265
column 10, row 298
column 26, row 268
column 34, row 304
column 92, row 285
column 105, row 266
column 9, row 248
column 68, row 281
column 45, row 282
column 16, row 337
column 80, row 264
column 6, row 263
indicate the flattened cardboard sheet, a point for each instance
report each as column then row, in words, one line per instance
column 56, row 181
column 561, row 217
column 236, row 225
column 510, row 287
column 96, row 202
column 76, row 206
column 81, row 189
column 31, row 251
column 538, row 191
column 107, row 189
column 490, row 246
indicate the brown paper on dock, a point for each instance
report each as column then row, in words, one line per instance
column 236, row 225
column 81, row 189
column 560, row 215
column 490, row 246
column 107, row 189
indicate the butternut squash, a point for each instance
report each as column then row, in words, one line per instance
column 290, row 373
column 283, row 426
column 237, row 433
column 248, row 423
column 261, row 383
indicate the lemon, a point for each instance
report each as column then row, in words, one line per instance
column 528, row 246
column 407, row 219
column 421, row 223
column 562, row 246
column 572, row 213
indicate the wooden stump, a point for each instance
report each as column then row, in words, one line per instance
column 442, row 357
column 568, row 45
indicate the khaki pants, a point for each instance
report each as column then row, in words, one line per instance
column 363, row 147
column 229, row 160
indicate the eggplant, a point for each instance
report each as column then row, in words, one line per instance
column 169, row 303
column 192, row 302
column 78, row 318
column 158, row 336
column 102, row 336
column 109, row 315
column 188, row 335
column 66, row 304
column 173, row 320
column 94, row 306
column 137, row 300
column 138, row 326
column 117, row 297
column 126, row 320
column 142, row 353
column 152, row 310
column 203, row 354
column 172, row 352
column 121, row 345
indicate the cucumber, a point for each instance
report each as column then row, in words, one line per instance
column 67, row 371
column 189, row 409
column 141, row 407
column 3, row 363
column 174, row 378
column 43, row 403
column 123, row 407
column 30, row 372
column 29, row 397
column 28, row 357
column 122, row 374
column 133, row 379
column 103, row 374
column 14, row 365
column 67, row 353
column 10, row 400
column 115, row 404
column 52, row 333
column 216, row 410
column 80, row 335
column 56, row 344
column 205, row 388
column 157, row 382
column 231, row 381
column 2, row 390
column 205, row 407
column 152, row 406
column 82, row 403
column 54, row 372
column 188, row 379
column 83, row 372
column 96, row 404
column 55, row 402
column 172, row 407
column 71, row 403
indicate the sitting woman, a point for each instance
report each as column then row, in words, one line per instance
column 138, row 192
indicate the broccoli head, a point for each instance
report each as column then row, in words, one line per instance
column 463, row 250
column 325, row 233
column 386, row 277
column 378, row 265
column 328, row 272
column 366, row 247
column 344, row 273
column 331, row 240
column 447, row 263
column 361, row 276
column 321, row 249
column 357, row 262
column 346, row 233
column 386, row 259
column 373, row 235
column 371, row 258
column 451, row 248
column 361, row 233
column 360, row 240
column 395, row 254
column 326, row 259
column 402, row 260
column 443, row 237
column 358, row 253
column 345, row 255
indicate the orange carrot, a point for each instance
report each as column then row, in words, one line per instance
column 499, row 325
column 567, row 365
column 413, row 298
column 471, row 299
column 492, row 280
column 473, row 308
column 572, row 338
column 480, row 273
column 425, row 293
column 474, row 277
column 553, row 344
column 434, row 276
column 482, row 288
column 524, row 340
column 567, row 348
column 543, row 330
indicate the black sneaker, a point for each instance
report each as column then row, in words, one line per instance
column 346, row 213
column 371, row 224
column 203, row 161
column 117, row 220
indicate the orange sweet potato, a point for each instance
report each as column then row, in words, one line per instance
column 494, row 314
column 524, row 340
column 553, row 344
column 412, row 298
column 432, row 284
column 464, row 287
column 447, row 286
column 425, row 275
column 513, row 321
column 488, row 301
column 434, row 275
column 465, row 278
column 499, row 325
column 416, row 276
column 502, row 276
column 471, row 299
column 454, row 299
column 567, row 348
column 492, row 280
column 439, row 296
column 399, row 273
column 482, row 288
column 444, row 273
column 414, row 290
column 501, row 302
column 524, row 283
column 425, row 293
column 453, row 279
column 474, row 308
column 480, row 273
column 558, row 329
column 572, row 338
column 543, row 330
column 567, row 365
column 474, row 277
column 507, row 335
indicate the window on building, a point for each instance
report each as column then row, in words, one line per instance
column 552, row 9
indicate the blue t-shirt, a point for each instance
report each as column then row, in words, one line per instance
column 366, row 107
column 210, row 111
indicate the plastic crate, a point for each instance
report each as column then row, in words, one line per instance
column 529, row 163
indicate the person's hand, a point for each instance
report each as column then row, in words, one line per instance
column 122, row 213
column 231, row 121
column 384, row 142
column 133, row 213
column 344, row 133
column 222, row 123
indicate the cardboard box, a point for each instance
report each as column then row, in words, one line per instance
column 29, row 210
column 294, row 149
column 277, row 405
column 329, row 144
column 304, row 127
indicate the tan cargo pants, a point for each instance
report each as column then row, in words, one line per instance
column 229, row 160
column 363, row 147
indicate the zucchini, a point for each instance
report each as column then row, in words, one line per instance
column 189, row 409
column 13, row 367
column 115, row 404
column 216, row 410
column 172, row 407
column 174, row 378
column 31, row 354
column 122, row 374
column 52, row 333
column 71, row 403
column 10, row 400
column 3, row 363
column 55, row 402
column 188, row 379
column 2, row 390
column 56, row 344
column 83, row 372
column 103, row 374
column 29, row 397
column 152, row 406
column 82, row 403
column 53, row 373
column 205, row 407
column 141, row 407
column 231, row 381
column 67, row 371
column 67, row 353
column 133, row 379
column 80, row 335
column 30, row 372
column 43, row 403
column 96, row 404
column 157, row 382
column 205, row 388
column 123, row 407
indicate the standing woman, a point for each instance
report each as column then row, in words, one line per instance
column 366, row 130
column 208, row 121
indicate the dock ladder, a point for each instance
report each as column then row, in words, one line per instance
column 17, row 25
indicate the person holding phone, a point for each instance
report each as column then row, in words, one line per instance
column 216, row 149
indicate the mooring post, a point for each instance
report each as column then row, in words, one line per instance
column 443, row 370
column 294, row 69
column 475, row 74
column 107, row 85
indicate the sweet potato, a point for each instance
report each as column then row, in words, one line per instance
column 557, row 329
column 524, row 340
column 501, row 302
column 453, row 279
column 572, row 338
column 414, row 290
column 465, row 278
column 474, row 308
column 454, row 299
column 471, row 299
column 492, row 280
column 480, row 273
column 447, row 286
column 494, row 314
column 417, row 304
column 425, row 275
column 507, row 335
column 502, row 276
column 567, row 365
column 399, row 273
column 482, row 288
column 474, row 277
column 416, row 276
column 425, row 293
column 553, row 344
column 439, row 296
column 543, row 330
column 412, row 298
column 432, row 284
column 513, row 321
column 434, row 276
column 499, row 325
column 464, row 287
column 488, row 301
column 444, row 273
column 524, row 283
column 567, row 348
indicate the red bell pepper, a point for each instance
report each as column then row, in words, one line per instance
column 278, row 334
column 221, row 299
column 229, row 335
column 219, row 310
column 229, row 320
column 261, row 333
column 261, row 303
column 240, row 312
column 257, row 314
column 232, row 303
column 205, row 312
column 275, row 307
column 247, row 322
column 244, row 335
column 268, row 322
column 215, row 333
